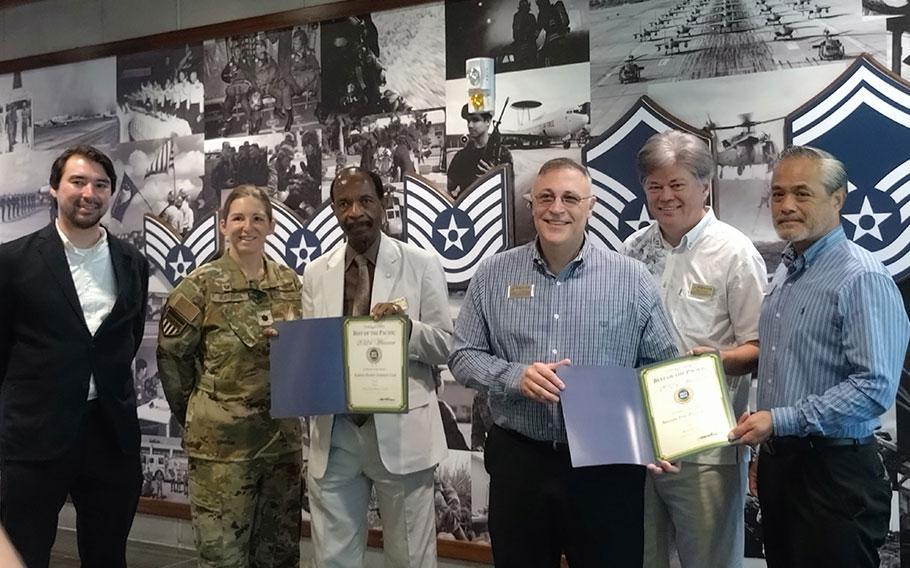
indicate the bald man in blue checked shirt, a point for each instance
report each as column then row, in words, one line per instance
column 527, row 312
column 834, row 333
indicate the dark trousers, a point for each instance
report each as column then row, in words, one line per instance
column 104, row 486
column 541, row 508
column 824, row 506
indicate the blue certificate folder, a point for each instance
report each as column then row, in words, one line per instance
column 307, row 368
column 605, row 416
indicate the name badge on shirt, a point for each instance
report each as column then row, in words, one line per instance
column 703, row 291
column 521, row 291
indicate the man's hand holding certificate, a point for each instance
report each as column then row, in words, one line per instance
column 658, row 413
column 687, row 405
column 309, row 357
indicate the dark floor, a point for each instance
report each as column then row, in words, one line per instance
column 138, row 555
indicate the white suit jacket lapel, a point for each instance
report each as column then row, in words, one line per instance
column 333, row 282
column 388, row 269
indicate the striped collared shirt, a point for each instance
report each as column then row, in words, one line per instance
column 833, row 332
column 602, row 309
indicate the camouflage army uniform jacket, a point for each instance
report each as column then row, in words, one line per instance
column 214, row 361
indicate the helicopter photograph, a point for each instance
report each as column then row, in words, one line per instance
column 630, row 72
column 745, row 148
column 830, row 48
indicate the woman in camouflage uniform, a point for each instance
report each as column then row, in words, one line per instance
column 244, row 466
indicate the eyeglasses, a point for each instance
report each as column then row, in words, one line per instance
column 545, row 200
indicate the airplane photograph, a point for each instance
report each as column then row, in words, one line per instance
column 729, row 37
column 544, row 114
column 672, row 45
column 537, row 126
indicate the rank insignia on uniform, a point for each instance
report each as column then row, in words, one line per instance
column 265, row 318
column 177, row 316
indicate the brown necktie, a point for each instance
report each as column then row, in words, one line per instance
column 361, row 307
column 361, row 304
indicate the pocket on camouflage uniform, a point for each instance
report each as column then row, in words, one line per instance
column 238, row 315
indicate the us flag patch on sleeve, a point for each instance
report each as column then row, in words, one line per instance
column 177, row 315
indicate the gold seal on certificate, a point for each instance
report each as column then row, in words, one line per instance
column 376, row 364
column 687, row 404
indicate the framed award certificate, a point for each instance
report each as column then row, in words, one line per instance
column 376, row 364
column 687, row 405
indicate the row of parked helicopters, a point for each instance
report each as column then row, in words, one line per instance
column 678, row 26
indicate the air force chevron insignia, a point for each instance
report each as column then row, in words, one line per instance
column 863, row 119
column 177, row 257
column 461, row 231
column 620, row 209
column 295, row 243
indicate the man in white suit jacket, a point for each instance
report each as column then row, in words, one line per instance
column 395, row 453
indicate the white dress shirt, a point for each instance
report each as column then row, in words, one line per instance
column 96, row 287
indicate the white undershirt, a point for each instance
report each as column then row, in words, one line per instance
column 93, row 276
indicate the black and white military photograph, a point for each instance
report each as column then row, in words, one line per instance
column 164, row 463
column 74, row 104
column 452, row 495
column 480, row 498
column 395, row 145
column 456, row 408
column 16, row 120
column 160, row 93
column 885, row 8
column 16, row 126
column 747, row 128
column 887, row 439
column 898, row 456
column 538, row 114
column 162, row 178
column 388, row 62
column 634, row 45
column 517, row 34
column 262, row 82
column 289, row 165
column 26, row 204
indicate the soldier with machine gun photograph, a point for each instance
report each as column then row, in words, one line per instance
column 484, row 150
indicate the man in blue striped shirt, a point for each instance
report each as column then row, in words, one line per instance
column 833, row 332
column 527, row 312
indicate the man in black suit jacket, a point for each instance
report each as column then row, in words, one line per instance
column 72, row 313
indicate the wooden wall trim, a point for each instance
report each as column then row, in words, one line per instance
column 201, row 33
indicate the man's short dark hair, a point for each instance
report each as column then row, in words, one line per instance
column 374, row 177
column 88, row 152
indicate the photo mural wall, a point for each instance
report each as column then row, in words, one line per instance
column 589, row 79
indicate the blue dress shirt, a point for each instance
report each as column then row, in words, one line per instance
column 602, row 309
column 833, row 334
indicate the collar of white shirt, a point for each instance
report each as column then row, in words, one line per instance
column 98, row 248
